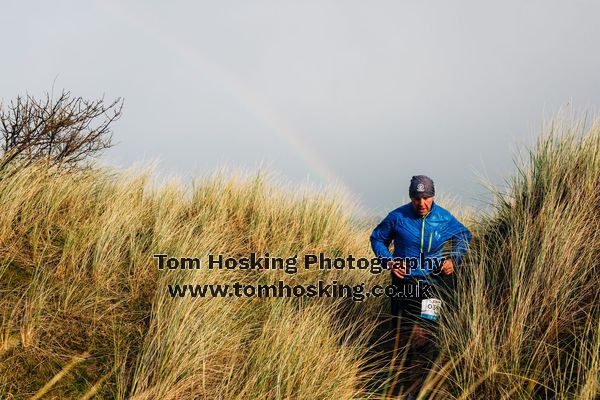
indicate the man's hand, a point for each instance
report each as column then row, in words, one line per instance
column 448, row 266
column 397, row 268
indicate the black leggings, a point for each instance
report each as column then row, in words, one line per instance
column 406, row 313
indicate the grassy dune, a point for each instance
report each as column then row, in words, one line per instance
column 84, row 311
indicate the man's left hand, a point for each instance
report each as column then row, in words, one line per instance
column 448, row 267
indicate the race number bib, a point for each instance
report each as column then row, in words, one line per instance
column 430, row 308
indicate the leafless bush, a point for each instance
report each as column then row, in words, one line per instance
column 62, row 131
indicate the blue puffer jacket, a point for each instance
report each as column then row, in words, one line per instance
column 413, row 235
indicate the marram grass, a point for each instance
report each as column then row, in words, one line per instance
column 84, row 311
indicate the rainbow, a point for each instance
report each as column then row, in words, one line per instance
column 256, row 106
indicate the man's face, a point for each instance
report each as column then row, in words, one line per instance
column 422, row 206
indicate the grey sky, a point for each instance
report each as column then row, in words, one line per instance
column 369, row 93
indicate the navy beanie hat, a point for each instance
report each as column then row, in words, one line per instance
column 421, row 186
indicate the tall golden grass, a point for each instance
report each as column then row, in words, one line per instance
column 84, row 311
column 526, row 320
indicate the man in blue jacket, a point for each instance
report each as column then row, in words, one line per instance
column 419, row 230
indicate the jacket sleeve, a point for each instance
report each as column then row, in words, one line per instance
column 382, row 237
column 461, row 237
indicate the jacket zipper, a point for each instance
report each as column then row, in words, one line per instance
column 422, row 231
column 429, row 247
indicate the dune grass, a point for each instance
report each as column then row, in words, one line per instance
column 78, row 276
column 84, row 310
column 526, row 320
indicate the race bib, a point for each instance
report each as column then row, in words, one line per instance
column 430, row 308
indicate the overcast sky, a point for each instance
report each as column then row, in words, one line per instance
column 363, row 93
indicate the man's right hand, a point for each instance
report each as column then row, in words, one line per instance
column 397, row 268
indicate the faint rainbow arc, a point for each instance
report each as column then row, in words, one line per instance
column 244, row 96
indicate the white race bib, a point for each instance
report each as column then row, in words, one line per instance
column 430, row 308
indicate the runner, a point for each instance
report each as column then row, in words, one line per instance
column 419, row 230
